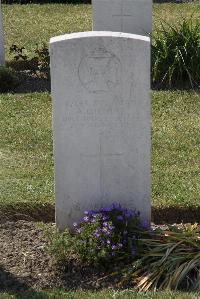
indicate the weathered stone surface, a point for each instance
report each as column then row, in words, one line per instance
column 2, row 57
column 132, row 16
column 101, row 122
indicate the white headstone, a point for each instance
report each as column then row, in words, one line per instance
column 2, row 55
column 101, row 122
column 132, row 16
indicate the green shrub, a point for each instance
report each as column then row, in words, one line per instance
column 108, row 234
column 8, row 79
column 176, row 55
column 38, row 61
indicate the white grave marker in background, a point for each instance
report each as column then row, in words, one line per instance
column 132, row 16
column 101, row 122
column 2, row 57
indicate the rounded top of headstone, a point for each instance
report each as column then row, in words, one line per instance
column 86, row 34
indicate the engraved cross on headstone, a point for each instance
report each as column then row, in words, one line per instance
column 122, row 15
column 101, row 155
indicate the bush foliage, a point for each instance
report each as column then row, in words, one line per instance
column 39, row 61
column 106, row 234
column 176, row 55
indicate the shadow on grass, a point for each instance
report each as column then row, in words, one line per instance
column 13, row 285
column 46, row 213
column 33, row 81
column 30, row 79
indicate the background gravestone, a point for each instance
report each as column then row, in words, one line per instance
column 2, row 57
column 132, row 16
column 101, row 122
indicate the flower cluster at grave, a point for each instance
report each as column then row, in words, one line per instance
column 147, row 258
column 109, row 232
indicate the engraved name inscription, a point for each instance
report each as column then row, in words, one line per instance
column 85, row 113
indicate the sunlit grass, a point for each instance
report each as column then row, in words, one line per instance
column 27, row 25
column 26, row 158
column 105, row 294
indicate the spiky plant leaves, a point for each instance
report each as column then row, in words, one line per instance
column 176, row 55
column 170, row 260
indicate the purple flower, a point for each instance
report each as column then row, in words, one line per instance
column 113, row 253
column 97, row 232
column 105, row 223
column 97, row 235
column 111, row 227
column 144, row 224
column 120, row 218
column 86, row 219
column 90, row 212
column 125, row 232
column 108, row 241
column 117, row 206
column 106, row 231
column 106, row 209
column 114, row 247
column 129, row 214
column 102, row 240
column 75, row 224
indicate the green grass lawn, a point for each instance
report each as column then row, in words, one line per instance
column 26, row 173
column 100, row 295
column 27, row 25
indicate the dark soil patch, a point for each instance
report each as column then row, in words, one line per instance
column 25, row 263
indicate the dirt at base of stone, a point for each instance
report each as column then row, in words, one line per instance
column 25, row 263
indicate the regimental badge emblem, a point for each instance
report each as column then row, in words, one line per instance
column 100, row 71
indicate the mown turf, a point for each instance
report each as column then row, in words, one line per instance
column 26, row 149
column 26, row 173
column 100, row 295
column 27, row 25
